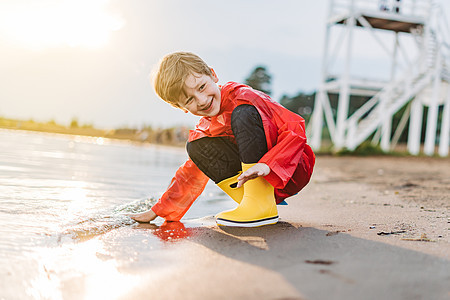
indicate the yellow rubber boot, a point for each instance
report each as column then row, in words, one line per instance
column 257, row 207
column 229, row 187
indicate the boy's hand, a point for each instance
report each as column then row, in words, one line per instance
column 257, row 170
column 144, row 217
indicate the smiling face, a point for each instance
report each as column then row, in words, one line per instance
column 201, row 95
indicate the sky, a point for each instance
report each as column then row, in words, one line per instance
column 91, row 59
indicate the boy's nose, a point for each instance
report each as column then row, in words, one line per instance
column 202, row 100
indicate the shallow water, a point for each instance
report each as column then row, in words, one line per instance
column 62, row 203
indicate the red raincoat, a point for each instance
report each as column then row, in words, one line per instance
column 290, row 159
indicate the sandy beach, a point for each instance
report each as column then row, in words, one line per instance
column 364, row 228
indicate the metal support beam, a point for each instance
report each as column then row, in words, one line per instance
column 401, row 126
column 386, row 127
column 319, row 101
column 445, row 127
column 344, row 94
column 430, row 136
column 317, row 121
column 415, row 127
column 386, row 130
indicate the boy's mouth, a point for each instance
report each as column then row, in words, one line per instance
column 208, row 106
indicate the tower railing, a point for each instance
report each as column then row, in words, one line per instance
column 417, row 8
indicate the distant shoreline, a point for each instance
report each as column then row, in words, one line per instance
column 175, row 136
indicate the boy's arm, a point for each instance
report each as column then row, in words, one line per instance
column 284, row 157
column 186, row 185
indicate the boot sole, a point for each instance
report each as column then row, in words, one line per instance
column 256, row 223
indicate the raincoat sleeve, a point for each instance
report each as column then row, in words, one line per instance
column 186, row 185
column 284, row 157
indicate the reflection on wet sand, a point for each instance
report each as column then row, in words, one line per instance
column 96, row 266
column 93, row 227
column 168, row 231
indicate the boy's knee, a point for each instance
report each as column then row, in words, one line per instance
column 243, row 112
column 202, row 145
column 191, row 148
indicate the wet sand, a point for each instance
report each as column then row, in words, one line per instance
column 364, row 228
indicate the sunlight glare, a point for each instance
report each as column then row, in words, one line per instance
column 80, row 270
column 82, row 23
column 100, row 141
column 77, row 195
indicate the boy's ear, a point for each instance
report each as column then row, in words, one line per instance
column 214, row 75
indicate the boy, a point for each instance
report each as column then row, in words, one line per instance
column 253, row 148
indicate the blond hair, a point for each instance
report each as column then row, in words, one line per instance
column 171, row 74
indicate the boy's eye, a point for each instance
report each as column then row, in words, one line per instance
column 202, row 86
column 189, row 100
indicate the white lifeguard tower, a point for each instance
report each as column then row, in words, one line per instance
column 415, row 38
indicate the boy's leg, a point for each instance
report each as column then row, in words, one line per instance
column 248, row 130
column 258, row 205
column 218, row 158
